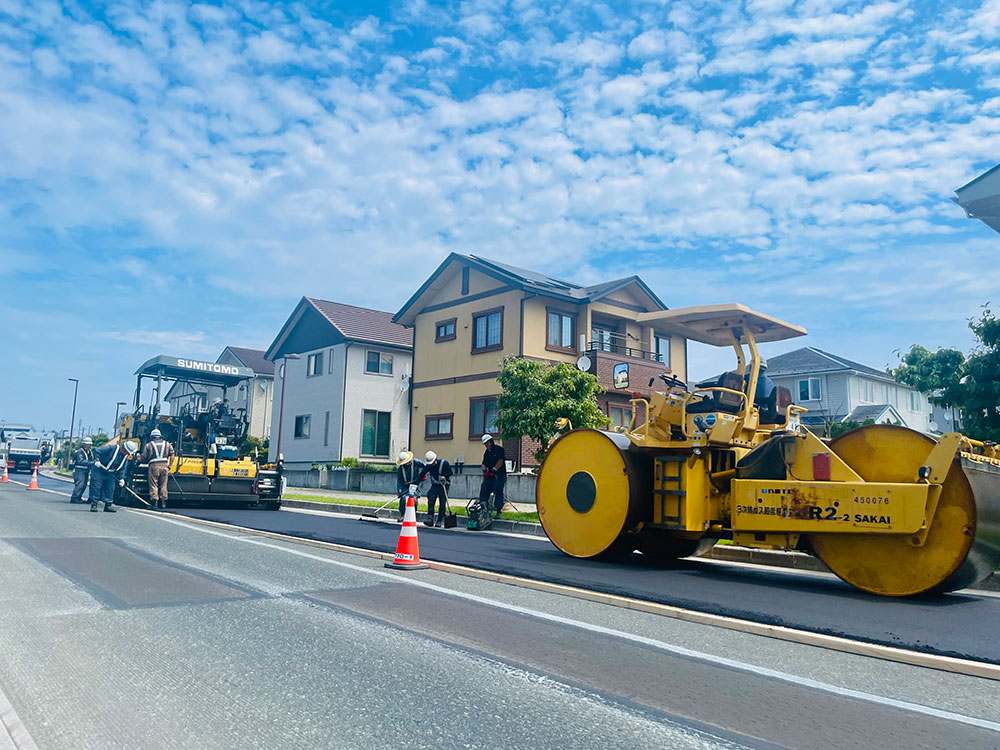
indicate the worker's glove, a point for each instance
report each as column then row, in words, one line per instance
column 121, row 482
column 98, row 465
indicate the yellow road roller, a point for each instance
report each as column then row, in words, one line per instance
column 889, row 510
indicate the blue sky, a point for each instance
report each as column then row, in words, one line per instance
column 174, row 176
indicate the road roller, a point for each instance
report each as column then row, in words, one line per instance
column 889, row 510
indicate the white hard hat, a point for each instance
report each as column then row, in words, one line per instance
column 88, row 440
column 131, row 447
column 487, row 438
column 155, row 434
column 430, row 457
column 216, row 401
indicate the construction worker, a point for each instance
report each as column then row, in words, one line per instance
column 83, row 459
column 439, row 472
column 159, row 454
column 410, row 471
column 109, row 466
column 494, row 475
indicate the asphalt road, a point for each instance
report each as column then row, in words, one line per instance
column 140, row 630
column 961, row 624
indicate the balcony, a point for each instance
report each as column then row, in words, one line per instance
column 623, row 369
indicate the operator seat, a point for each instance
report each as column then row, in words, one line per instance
column 716, row 401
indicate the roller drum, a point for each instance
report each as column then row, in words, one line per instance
column 593, row 489
column 962, row 546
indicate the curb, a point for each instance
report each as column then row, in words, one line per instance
column 514, row 527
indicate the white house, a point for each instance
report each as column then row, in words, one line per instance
column 836, row 389
column 347, row 394
column 253, row 396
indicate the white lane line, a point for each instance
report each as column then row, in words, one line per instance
column 12, row 728
column 651, row 642
column 42, row 489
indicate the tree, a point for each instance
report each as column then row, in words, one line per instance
column 536, row 394
column 250, row 442
column 839, row 428
column 65, row 450
column 971, row 384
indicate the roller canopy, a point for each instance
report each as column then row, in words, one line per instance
column 195, row 371
column 712, row 324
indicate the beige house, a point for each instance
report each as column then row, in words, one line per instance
column 472, row 313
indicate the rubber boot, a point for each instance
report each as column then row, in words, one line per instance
column 109, row 508
column 93, row 507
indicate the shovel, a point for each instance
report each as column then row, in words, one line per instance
column 136, row 496
column 373, row 515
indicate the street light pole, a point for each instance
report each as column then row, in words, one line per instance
column 114, row 425
column 69, row 447
column 281, row 407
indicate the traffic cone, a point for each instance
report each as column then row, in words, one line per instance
column 4, row 479
column 407, row 551
column 33, row 484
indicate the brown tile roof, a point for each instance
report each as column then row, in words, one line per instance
column 363, row 324
column 254, row 359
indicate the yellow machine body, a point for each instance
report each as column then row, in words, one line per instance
column 888, row 509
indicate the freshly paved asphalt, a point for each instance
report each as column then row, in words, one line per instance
column 962, row 625
column 139, row 630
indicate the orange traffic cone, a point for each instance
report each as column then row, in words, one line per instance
column 33, row 484
column 4, row 479
column 407, row 551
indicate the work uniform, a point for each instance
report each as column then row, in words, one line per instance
column 409, row 473
column 109, row 466
column 83, row 459
column 494, row 477
column 157, row 453
column 439, row 472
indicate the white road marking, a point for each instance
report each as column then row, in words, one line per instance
column 650, row 642
column 13, row 733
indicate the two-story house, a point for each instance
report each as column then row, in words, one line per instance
column 252, row 397
column 836, row 389
column 346, row 393
column 473, row 312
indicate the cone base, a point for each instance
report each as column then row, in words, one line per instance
column 406, row 566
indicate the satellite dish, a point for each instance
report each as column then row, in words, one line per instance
column 404, row 386
column 583, row 364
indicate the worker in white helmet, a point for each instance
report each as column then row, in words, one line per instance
column 83, row 459
column 410, row 472
column 439, row 472
column 159, row 455
column 109, row 468
column 494, row 474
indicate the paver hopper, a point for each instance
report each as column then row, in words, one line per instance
column 888, row 509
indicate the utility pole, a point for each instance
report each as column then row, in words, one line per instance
column 69, row 446
column 281, row 409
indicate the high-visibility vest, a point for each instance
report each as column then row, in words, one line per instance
column 160, row 448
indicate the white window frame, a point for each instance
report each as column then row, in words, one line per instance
column 381, row 361
column 663, row 357
column 311, row 370
column 329, row 365
column 915, row 401
column 867, row 392
column 814, row 388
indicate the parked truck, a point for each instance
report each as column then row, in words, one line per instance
column 24, row 453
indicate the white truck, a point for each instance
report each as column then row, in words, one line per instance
column 24, row 453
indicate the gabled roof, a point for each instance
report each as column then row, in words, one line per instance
column 873, row 412
column 252, row 358
column 531, row 281
column 810, row 360
column 346, row 323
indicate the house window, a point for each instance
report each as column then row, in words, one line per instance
column 602, row 338
column 867, row 391
column 330, row 362
column 314, row 364
column 487, row 331
column 561, row 331
column 302, row 427
column 378, row 363
column 438, row 426
column 465, row 280
column 810, row 389
column 444, row 330
column 621, row 416
column 891, row 395
column 375, row 433
column 914, row 401
column 482, row 416
column 661, row 348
